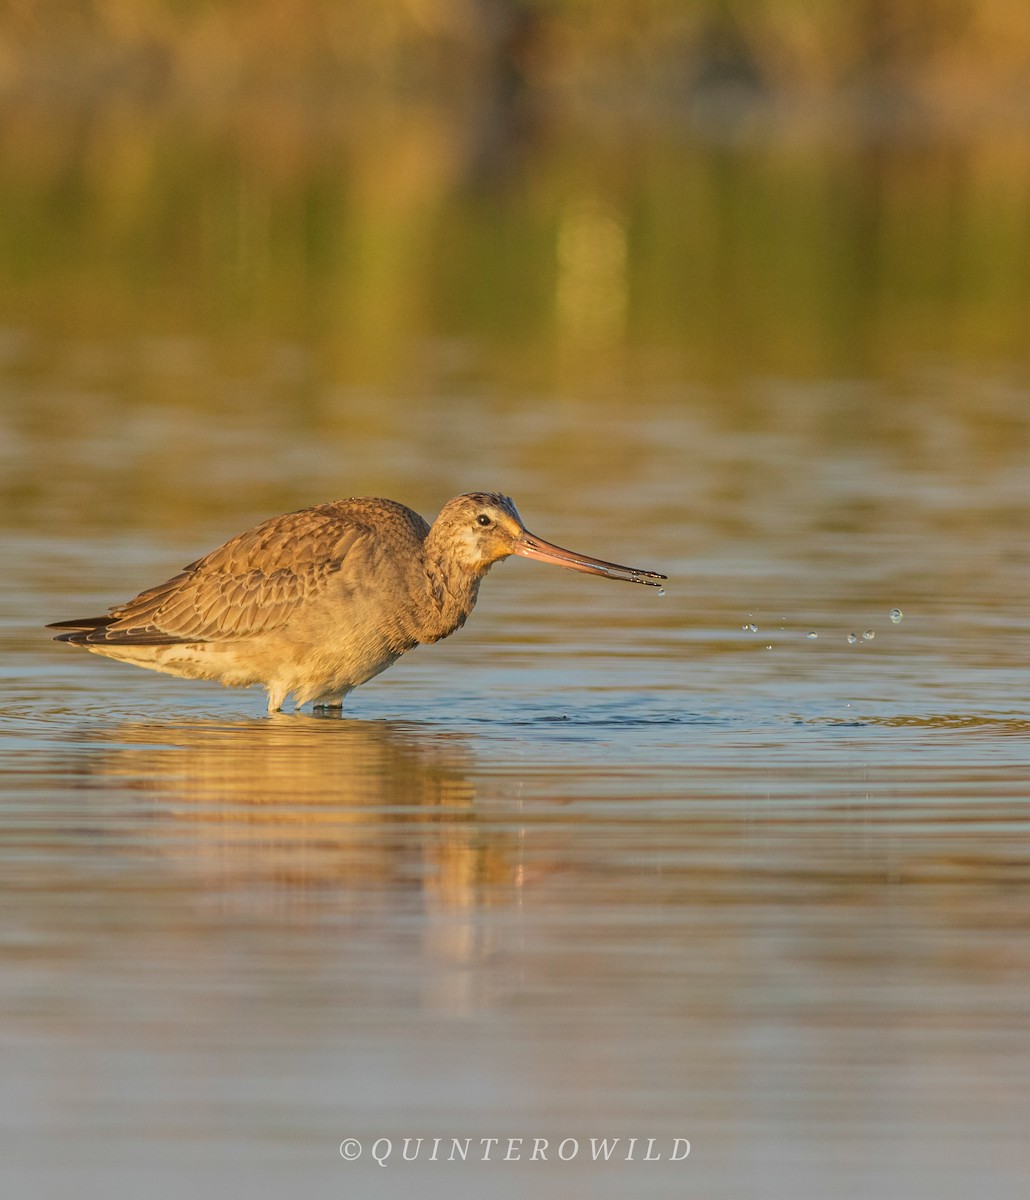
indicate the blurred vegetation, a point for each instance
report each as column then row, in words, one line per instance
column 945, row 54
column 409, row 195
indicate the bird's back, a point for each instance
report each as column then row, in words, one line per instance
column 262, row 579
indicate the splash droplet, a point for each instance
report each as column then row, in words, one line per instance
column 868, row 635
column 852, row 638
column 753, row 627
column 811, row 634
column 661, row 591
column 896, row 615
column 769, row 647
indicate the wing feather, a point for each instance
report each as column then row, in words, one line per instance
column 253, row 584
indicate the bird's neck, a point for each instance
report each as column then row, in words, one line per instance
column 451, row 593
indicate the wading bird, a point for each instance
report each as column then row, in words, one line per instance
column 317, row 602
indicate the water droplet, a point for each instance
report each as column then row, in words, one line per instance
column 661, row 591
column 769, row 647
column 852, row 638
column 753, row 627
column 811, row 634
column 868, row 635
column 896, row 615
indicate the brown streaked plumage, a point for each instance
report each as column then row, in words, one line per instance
column 317, row 602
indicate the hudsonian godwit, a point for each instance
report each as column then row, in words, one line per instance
column 316, row 602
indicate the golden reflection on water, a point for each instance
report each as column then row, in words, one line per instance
column 301, row 802
column 675, row 923
column 304, row 803
column 377, row 250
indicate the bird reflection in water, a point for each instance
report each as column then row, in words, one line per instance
column 299, row 803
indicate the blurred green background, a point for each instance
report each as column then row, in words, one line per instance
column 339, row 218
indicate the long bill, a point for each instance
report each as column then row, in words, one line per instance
column 530, row 546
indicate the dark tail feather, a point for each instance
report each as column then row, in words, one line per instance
column 77, row 632
column 93, row 631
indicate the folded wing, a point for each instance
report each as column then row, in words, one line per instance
column 252, row 585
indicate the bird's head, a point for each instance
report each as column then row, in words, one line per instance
column 481, row 528
column 477, row 530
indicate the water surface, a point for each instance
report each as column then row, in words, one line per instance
column 605, row 864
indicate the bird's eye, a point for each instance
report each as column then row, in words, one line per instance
column 484, row 520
